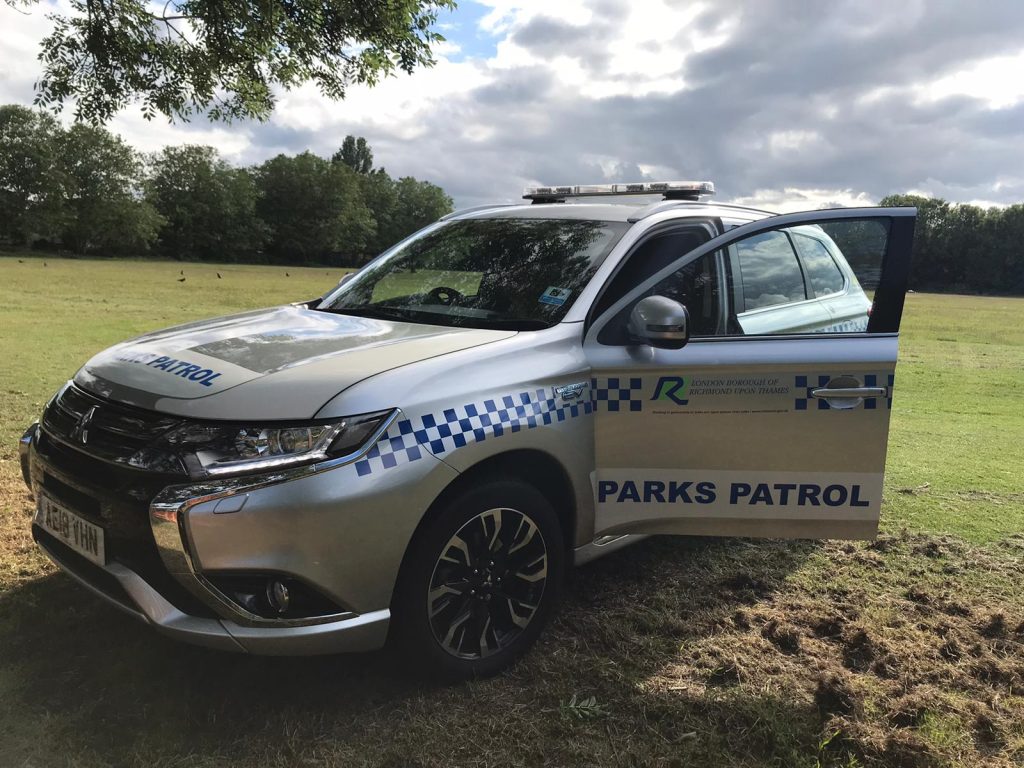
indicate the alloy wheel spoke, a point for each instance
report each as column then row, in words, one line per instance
column 522, row 539
column 458, row 623
column 488, row 583
column 460, row 546
column 527, row 572
column 520, row 618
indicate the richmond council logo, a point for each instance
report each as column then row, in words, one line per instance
column 673, row 388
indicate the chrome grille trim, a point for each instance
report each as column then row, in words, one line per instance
column 115, row 432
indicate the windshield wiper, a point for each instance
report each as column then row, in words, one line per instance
column 374, row 312
column 512, row 325
column 400, row 314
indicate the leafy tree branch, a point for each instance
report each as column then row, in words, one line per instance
column 224, row 58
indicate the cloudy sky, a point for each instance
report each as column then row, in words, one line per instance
column 783, row 104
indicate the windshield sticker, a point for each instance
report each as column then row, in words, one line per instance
column 555, row 295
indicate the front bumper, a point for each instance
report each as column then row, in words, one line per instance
column 126, row 590
column 342, row 535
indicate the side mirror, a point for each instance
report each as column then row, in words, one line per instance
column 660, row 322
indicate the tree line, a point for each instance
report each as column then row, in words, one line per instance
column 83, row 189
column 963, row 248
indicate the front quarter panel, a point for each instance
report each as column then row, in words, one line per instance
column 473, row 405
column 344, row 531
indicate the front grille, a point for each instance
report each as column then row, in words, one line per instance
column 115, row 432
column 115, row 497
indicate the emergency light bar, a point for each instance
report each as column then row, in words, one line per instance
column 672, row 190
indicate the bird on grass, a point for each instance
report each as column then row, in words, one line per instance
column 21, row 261
column 218, row 276
column 182, row 279
column 182, row 272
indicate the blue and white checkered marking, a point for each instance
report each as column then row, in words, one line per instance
column 804, row 398
column 617, row 394
column 407, row 439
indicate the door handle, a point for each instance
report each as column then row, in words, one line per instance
column 843, row 392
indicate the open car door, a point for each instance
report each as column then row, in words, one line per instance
column 772, row 419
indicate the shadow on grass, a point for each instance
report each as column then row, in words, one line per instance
column 117, row 687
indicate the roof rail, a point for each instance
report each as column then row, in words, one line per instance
column 666, row 205
column 474, row 209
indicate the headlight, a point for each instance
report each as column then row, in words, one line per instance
column 210, row 449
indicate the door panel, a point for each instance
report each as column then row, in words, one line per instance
column 726, row 436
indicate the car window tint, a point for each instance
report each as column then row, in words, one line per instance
column 696, row 286
column 769, row 271
column 509, row 273
column 651, row 256
column 822, row 272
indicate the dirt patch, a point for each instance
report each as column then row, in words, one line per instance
column 835, row 696
column 911, row 663
column 785, row 637
column 994, row 626
column 747, row 587
column 829, row 627
column 859, row 649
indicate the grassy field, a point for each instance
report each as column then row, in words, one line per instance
column 677, row 652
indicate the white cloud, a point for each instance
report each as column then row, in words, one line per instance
column 998, row 80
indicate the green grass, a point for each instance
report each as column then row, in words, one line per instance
column 674, row 652
column 956, row 446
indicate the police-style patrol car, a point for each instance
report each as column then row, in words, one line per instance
column 421, row 453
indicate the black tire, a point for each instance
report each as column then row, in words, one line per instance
column 479, row 582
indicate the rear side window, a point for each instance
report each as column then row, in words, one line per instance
column 769, row 271
column 822, row 271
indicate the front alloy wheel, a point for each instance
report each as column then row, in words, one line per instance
column 487, row 584
column 479, row 581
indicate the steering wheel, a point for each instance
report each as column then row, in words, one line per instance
column 444, row 295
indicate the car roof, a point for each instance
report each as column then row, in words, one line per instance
column 630, row 213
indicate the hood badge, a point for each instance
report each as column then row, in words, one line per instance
column 570, row 392
column 81, row 430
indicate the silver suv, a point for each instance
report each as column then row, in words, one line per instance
column 420, row 454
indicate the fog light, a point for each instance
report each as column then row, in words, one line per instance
column 272, row 595
column 277, row 595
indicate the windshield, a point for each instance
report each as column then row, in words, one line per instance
column 519, row 274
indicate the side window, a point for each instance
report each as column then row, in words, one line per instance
column 727, row 291
column 652, row 255
column 822, row 272
column 769, row 271
column 698, row 288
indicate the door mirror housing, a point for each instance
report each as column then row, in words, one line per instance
column 660, row 322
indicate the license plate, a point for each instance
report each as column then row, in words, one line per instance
column 83, row 537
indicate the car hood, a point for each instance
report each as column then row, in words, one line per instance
column 281, row 363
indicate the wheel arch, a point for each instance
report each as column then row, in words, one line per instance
column 529, row 465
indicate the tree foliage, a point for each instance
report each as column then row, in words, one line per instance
column 103, row 190
column 31, row 183
column 85, row 190
column 224, row 57
column 209, row 208
column 313, row 208
column 356, row 154
column 964, row 248
column 80, row 187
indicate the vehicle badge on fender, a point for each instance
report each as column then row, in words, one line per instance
column 570, row 391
